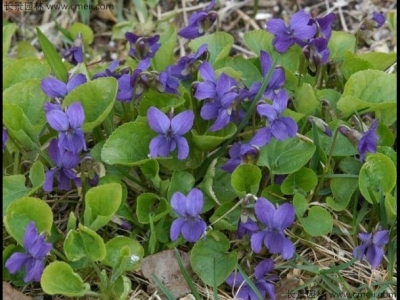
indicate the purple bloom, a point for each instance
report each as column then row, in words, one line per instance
column 167, row 82
column 189, row 222
column 275, row 83
column 324, row 25
column 142, row 47
column 279, row 127
column 189, row 65
column 317, row 52
column 33, row 259
column 379, row 19
column 249, row 227
column 133, row 86
column 368, row 141
column 263, row 285
column 276, row 220
column 109, row 72
column 372, row 246
column 298, row 31
column 170, row 132
column 65, row 161
column 75, row 53
column 69, row 126
column 5, row 137
column 199, row 23
column 55, row 88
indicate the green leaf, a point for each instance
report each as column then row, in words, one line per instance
column 379, row 60
column 303, row 180
column 246, row 179
column 84, row 243
column 339, row 43
column 228, row 217
column 350, row 165
column 13, row 189
column 258, row 40
column 288, row 156
column 150, row 170
column 122, row 288
column 216, row 246
column 162, row 101
column 181, row 181
column 59, row 278
column 342, row 190
column 165, row 54
column 102, row 202
column 210, row 140
column 21, row 212
column 370, row 90
column 24, row 69
column 120, row 247
column 150, row 204
column 306, row 102
column 29, row 96
column 52, row 57
column 318, row 221
column 353, row 64
column 378, row 175
column 391, row 208
column 12, row 116
column 249, row 72
column 36, row 175
column 221, row 185
column 25, row 49
column 273, row 193
column 128, row 145
column 219, row 45
column 8, row 32
column 86, row 31
column 97, row 98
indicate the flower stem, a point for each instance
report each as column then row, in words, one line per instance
column 59, row 254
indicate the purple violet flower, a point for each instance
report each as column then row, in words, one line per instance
column 189, row 65
column 189, row 223
column 142, row 47
column 65, row 161
column 170, row 132
column 321, row 125
column 324, row 25
column 298, row 31
column 368, row 141
column 132, row 86
column 275, row 83
column 317, row 52
column 168, row 83
column 263, row 282
column 372, row 246
column 279, row 127
column 75, row 53
column 109, row 72
column 5, row 137
column 69, row 126
column 199, row 23
column 276, row 220
column 33, row 259
column 379, row 19
column 55, row 88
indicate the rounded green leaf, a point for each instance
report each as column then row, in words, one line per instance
column 102, row 202
column 149, row 204
column 316, row 220
column 128, row 145
column 24, row 69
column 97, row 98
column 181, row 181
column 84, row 243
column 165, row 54
column 304, row 180
column 288, row 156
column 59, row 278
column 227, row 216
column 211, row 140
column 306, row 102
column 21, row 212
column 211, row 260
column 342, row 190
column 377, row 176
column 219, row 45
column 246, row 179
column 391, row 208
column 114, row 252
column 86, row 31
column 162, row 101
column 339, row 43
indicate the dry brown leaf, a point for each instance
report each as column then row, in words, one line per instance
column 166, row 268
column 9, row 293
